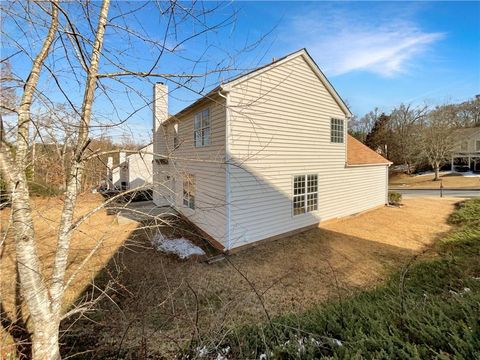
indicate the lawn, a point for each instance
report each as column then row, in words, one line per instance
column 162, row 304
column 429, row 309
column 102, row 230
column 449, row 180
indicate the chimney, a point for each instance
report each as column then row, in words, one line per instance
column 160, row 114
column 122, row 157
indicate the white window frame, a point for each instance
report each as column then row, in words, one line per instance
column 188, row 193
column 202, row 128
column 175, row 135
column 337, row 131
column 306, row 194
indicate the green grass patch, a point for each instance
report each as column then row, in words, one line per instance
column 429, row 310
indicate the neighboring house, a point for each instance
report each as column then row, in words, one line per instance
column 466, row 153
column 133, row 170
column 264, row 155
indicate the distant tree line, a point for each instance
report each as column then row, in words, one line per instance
column 416, row 136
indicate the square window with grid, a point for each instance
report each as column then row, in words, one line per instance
column 336, row 130
column 201, row 128
column 305, row 193
column 189, row 191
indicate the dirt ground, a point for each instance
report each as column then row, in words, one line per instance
column 164, row 302
column 101, row 228
column 449, row 180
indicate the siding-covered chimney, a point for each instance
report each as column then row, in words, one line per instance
column 122, row 157
column 160, row 114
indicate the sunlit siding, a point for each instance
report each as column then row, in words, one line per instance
column 206, row 164
column 280, row 127
column 140, row 168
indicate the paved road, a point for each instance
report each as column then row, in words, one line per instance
column 460, row 193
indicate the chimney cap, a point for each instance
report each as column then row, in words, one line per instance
column 160, row 83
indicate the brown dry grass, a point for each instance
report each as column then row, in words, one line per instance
column 169, row 301
column 454, row 181
column 46, row 211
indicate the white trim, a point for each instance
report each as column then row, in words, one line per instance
column 305, row 195
column 228, row 205
column 360, row 165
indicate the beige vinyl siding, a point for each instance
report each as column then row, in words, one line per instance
column 140, row 168
column 207, row 166
column 280, row 127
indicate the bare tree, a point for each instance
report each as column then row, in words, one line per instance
column 75, row 35
column 406, row 124
column 361, row 127
column 438, row 138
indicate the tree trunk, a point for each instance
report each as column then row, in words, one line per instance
column 45, row 342
column 437, row 171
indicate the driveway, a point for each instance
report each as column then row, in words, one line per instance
column 456, row 193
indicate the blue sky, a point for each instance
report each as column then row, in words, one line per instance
column 382, row 53
column 376, row 54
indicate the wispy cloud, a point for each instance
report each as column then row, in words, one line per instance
column 343, row 43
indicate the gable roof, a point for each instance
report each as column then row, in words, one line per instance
column 360, row 154
column 313, row 65
column 226, row 86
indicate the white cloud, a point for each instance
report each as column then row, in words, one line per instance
column 342, row 44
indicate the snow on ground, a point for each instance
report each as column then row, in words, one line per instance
column 182, row 247
column 470, row 174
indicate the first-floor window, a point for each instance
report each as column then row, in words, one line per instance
column 305, row 193
column 189, row 191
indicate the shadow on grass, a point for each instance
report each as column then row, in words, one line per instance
column 161, row 303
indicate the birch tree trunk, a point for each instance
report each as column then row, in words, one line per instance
column 33, row 285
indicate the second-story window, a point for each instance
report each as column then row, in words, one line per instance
column 336, row 130
column 478, row 145
column 201, row 128
column 175, row 135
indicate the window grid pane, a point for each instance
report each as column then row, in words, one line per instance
column 305, row 193
column 201, row 133
column 189, row 191
column 336, row 130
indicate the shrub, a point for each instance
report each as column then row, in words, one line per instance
column 431, row 311
column 394, row 198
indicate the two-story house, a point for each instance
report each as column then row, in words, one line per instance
column 466, row 153
column 264, row 155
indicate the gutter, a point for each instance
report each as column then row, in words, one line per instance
column 376, row 164
column 228, row 204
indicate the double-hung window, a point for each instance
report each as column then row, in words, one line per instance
column 201, row 129
column 175, row 135
column 305, row 193
column 189, row 191
column 337, row 130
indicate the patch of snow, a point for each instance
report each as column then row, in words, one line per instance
column 337, row 342
column 263, row 357
column 202, row 352
column 220, row 357
column 182, row 247
column 470, row 174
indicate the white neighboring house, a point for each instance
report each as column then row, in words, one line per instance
column 467, row 149
column 264, row 155
column 133, row 170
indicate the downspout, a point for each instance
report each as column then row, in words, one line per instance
column 227, row 166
